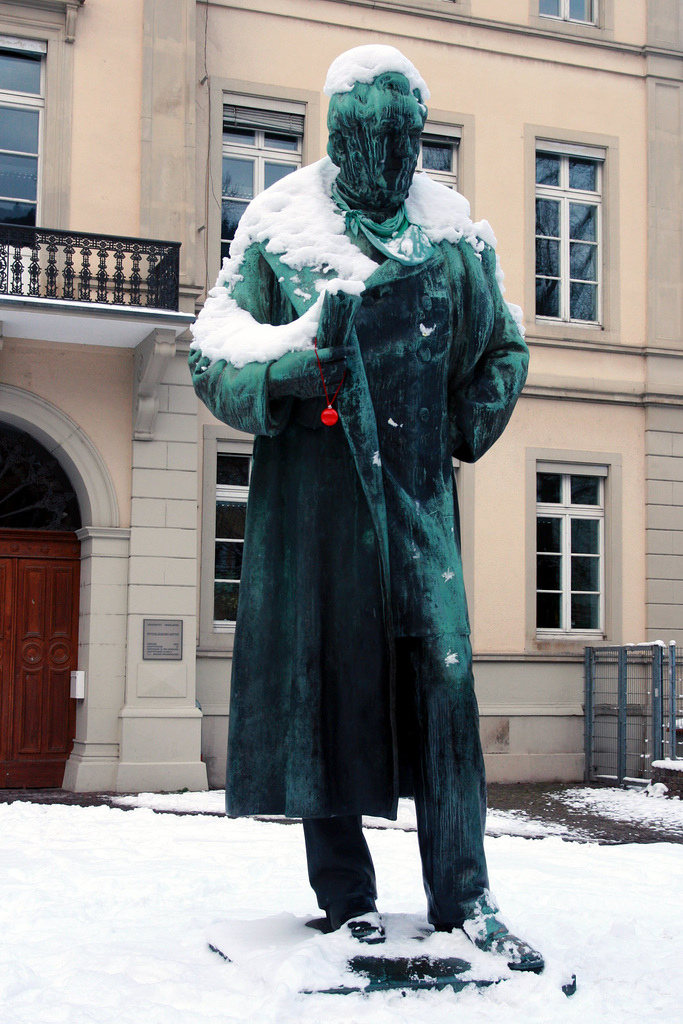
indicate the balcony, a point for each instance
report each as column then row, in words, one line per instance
column 87, row 288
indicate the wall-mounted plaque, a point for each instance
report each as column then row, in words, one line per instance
column 162, row 639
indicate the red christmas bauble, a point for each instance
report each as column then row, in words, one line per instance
column 329, row 416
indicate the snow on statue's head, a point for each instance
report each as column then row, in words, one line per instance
column 376, row 116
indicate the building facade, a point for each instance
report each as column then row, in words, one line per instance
column 128, row 125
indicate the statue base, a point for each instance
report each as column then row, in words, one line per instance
column 297, row 952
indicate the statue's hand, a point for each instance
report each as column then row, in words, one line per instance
column 336, row 318
column 206, row 376
column 198, row 364
column 297, row 374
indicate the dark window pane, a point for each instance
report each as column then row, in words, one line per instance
column 437, row 156
column 18, row 176
column 583, row 222
column 230, row 519
column 585, row 611
column 17, row 213
column 548, row 217
column 547, row 169
column 549, row 487
column 585, row 573
column 585, row 536
column 585, row 490
column 35, row 492
column 238, row 178
column 228, row 560
column 549, row 7
column 548, row 611
column 18, row 130
column 583, row 261
column 583, row 174
column 225, row 598
column 241, row 136
column 20, row 72
column 548, row 572
column 225, row 251
column 547, row 297
column 548, row 257
column 580, row 10
column 233, row 470
column 583, row 301
column 549, row 534
column 232, row 210
column 290, row 142
column 273, row 172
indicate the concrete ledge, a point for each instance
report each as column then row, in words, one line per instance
column 534, row 767
column 90, row 774
column 161, row 777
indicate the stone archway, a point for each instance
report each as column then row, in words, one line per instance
column 101, row 552
column 70, row 446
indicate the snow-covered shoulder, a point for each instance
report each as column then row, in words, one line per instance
column 297, row 220
column 444, row 216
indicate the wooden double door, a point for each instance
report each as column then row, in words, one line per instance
column 39, row 579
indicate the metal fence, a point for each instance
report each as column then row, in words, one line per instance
column 634, row 709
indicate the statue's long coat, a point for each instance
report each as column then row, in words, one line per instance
column 312, row 714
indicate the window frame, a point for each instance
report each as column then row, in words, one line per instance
column 218, row 636
column 567, row 513
column 577, row 463
column 16, row 100
column 260, row 153
column 565, row 13
column 224, row 91
column 548, row 330
column 53, row 26
column 602, row 26
column 451, row 134
column 565, row 196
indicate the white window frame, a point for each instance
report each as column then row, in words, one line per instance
column 445, row 134
column 264, row 117
column 27, row 101
column 565, row 195
column 216, row 635
column 566, row 513
column 565, row 13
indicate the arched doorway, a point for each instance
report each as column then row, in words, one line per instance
column 39, row 580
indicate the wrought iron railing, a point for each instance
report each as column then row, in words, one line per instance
column 74, row 266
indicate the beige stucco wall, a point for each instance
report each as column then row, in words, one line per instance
column 105, row 171
column 92, row 384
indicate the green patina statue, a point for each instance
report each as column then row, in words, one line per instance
column 352, row 675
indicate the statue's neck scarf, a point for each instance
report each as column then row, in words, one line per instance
column 396, row 237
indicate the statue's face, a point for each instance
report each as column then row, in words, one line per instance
column 375, row 140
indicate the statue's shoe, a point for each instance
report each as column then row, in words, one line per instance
column 367, row 928
column 485, row 929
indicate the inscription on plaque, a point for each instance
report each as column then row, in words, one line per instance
column 162, row 639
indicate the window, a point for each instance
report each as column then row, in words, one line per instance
column 21, row 105
column 260, row 146
column 232, row 490
column 568, row 234
column 582, row 11
column 570, row 544
column 439, row 154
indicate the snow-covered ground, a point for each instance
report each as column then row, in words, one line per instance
column 104, row 915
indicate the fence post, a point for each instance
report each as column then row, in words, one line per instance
column 672, row 700
column 657, row 704
column 622, row 696
column 589, row 663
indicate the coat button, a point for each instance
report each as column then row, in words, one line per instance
column 424, row 414
column 425, row 353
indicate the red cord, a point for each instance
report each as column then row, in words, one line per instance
column 322, row 377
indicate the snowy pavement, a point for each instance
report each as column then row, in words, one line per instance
column 104, row 914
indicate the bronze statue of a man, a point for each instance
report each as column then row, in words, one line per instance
column 352, row 673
